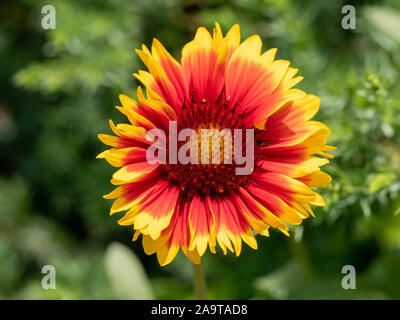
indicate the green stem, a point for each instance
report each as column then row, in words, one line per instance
column 300, row 254
column 199, row 282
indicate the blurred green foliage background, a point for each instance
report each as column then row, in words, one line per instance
column 58, row 89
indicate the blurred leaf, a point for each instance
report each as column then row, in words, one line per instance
column 322, row 289
column 365, row 207
column 126, row 273
column 385, row 25
column 380, row 180
column 278, row 284
column 383, row 273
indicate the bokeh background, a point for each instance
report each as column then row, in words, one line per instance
column 58, row 88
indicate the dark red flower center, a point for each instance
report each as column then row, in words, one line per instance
column 210, row 178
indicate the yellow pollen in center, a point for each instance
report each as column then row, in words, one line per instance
column 214, row 145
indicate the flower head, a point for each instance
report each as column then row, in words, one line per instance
column 219, row 84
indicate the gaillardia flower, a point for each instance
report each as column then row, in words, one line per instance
column 219, row 83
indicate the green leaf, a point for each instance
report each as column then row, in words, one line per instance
column 126, row 274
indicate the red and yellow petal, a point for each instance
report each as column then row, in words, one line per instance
column 157, row 80
column 203, row 66
column 119, row 157
column 294, row 168
column 154, row 214
column 129, row 194
column 179, row 237
column 256, row 84
column 202, row 226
